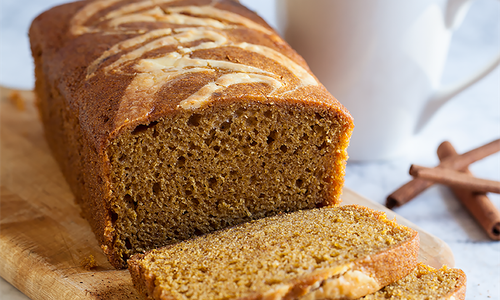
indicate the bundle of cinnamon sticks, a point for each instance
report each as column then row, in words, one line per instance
column 453, row 171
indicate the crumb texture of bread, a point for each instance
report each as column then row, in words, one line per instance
column 174, row 118
column 227, row 166
column 341, row 252
column 426, row 283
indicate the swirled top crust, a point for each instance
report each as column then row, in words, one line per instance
column 137, row 55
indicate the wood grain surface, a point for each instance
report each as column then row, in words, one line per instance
column 43, row 238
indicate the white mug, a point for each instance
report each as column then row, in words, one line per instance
column 382, row 59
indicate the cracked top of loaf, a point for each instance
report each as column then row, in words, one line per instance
column 122, row 63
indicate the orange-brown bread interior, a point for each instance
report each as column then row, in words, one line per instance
column 195, row 173
column 288, row 256
column 425, row 282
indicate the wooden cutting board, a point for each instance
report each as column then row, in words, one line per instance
column 43, row 239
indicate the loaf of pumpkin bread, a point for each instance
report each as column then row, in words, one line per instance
column 343, row 252
column 174, row 118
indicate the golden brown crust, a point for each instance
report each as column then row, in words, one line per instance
column 138, row 278
column 100, row 119
column 91, row 85
column 405, row 257
column 459, row 293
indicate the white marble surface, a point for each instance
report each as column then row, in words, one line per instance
column 470, row 120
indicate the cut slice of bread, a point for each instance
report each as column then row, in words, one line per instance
column 425, row 283
column 341, row 252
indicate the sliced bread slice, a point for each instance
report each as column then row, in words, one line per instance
column 425, row 283
column 343, row 252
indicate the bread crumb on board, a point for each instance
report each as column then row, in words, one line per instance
column 17, row 100
column 88, row 262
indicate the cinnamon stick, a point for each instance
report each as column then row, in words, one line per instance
column 414, row 187
column 478, row 204
column 454, row 178
column 407, row 192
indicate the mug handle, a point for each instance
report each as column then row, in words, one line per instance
column 455, row 12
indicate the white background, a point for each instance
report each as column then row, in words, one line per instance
column 468, row 121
